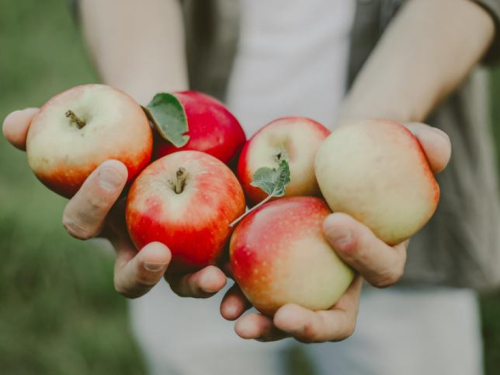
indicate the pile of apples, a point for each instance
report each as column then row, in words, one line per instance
column 179, row 151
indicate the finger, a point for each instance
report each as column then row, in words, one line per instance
column 256, row 326
column 201, row 284
column 16, row 125
column 234, row 303
column 136, row 273
column 380, row 264
column 435, row 143
column 86, row 212
column 226, row 268
column 335, row 324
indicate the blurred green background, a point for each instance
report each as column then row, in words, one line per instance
column 59, row 313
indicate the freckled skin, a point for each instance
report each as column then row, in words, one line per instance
column 212, row 128
column 300, row 137
column 279, row 255
column 194, row 224
column 118, row 130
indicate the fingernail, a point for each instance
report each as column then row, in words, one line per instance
column 339, row 237
column 154, row 267
column 422, row 131
column 110, row 179
column 441, row 133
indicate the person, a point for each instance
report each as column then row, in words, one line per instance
column 337, row 61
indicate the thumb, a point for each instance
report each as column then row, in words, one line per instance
column 16, row 125
column 435, row 143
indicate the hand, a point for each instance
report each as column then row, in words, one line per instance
column 98, row 210
column 379, row 264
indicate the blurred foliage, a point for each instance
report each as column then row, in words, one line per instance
column 490, row 303
column 59, row 313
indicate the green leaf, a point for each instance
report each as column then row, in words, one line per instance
column 167, row 114
column 273, row 181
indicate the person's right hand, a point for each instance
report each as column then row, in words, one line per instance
column 97, row 211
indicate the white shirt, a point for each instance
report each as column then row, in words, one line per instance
column 291, row 60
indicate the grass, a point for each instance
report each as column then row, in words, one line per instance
column 59, row 313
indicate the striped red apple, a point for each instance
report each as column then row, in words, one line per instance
column 208, row 126
column 293, row 139
column 77, row 130
column 280, row 255
column 186, row 201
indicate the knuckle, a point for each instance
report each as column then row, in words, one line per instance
column 190, row 286
column 388, row 279
column 346, row 332
column 97, row 203
column 308, row 335
column 77, row 229
column 145, row 280
column 124, row 291
column 349, row 331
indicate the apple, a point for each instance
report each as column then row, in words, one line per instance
column 377, row 172
column 77, row 130
column 211, row 128
column 295, row 139
column 185, row 200
column 279, row 255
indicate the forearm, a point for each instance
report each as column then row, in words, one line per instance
column 137, row 46
column 427, row 51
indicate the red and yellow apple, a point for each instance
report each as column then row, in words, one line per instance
column 185, row 200
column 211, row 128
column 377, row 172
column 77, row 130
column 294, row 139
column 280, row 255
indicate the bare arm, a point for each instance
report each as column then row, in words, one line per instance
column 137, row 46
column 427, row 51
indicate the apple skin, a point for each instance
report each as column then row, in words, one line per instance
column 62, row 156
column 280, row 255
column 212, row 128
column 193, row 224
column 377, row 172
column 299, row 138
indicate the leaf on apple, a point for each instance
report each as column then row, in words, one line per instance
column 167, row 114
column 273, row 180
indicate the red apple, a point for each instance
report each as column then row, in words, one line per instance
column 77, row 130
column 295, row 139
column 185, row 200
column 279, row 255
column 377, row 172
column 212, row 128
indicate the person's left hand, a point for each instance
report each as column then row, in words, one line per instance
column 376, row 262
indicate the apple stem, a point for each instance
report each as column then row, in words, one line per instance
column 250, row 210
column 180, row 181
column 282, row 155
column 74, row 118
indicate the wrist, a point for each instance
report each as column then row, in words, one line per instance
column 358, row 109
